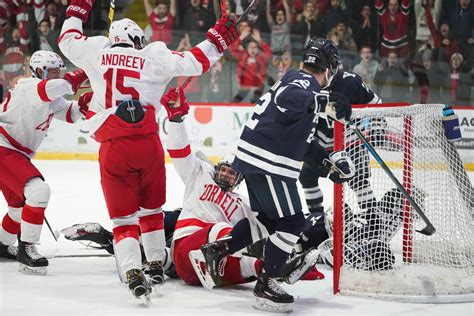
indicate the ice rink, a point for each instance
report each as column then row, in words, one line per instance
column 90, row 286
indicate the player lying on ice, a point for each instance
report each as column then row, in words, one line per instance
column 25, row 118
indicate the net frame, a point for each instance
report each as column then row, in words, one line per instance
column 408, row 231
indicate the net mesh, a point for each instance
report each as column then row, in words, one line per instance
column 383, row 255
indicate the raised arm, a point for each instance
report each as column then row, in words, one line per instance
column 148, row 8
column 269, row 13
column 173, row 9
column 287, row 11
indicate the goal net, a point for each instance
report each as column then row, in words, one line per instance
column 377, row 249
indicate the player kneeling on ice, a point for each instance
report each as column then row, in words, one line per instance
column 128, row 78
column 211, row 208
column 27, row 112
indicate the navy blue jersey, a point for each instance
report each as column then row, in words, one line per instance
column 351, row 86
column 277, row 135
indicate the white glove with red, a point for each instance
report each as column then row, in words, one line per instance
column 76, row 78
column 223, row 33
column 175, row 104
column 80, row 9
column 84, row 101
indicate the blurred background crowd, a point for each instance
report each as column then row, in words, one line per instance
column 418, row 51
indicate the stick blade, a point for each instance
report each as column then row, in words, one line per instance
column 428, row 230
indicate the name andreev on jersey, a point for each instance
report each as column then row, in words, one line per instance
column 213, row 193
column 110, row 59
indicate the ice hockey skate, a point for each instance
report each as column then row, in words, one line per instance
column 199, row 264
column 139, row 286
column 295, row 268
column 215, row 257
column 91, row 232
column 154, row 273
column 31, row 262
column 270, row 296
column 8, row 252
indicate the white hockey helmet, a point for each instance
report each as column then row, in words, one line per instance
column 127, row 32
column 45, row 60
column 225, row 176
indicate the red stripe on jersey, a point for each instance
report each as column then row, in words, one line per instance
column 191, row 222
column 5, row 103
column 69, row 31
column 14, row 143
column 42, row 91
column 125, row 231
column 151, row 223
column 33, row 215
column 90, row 114
column 180, row 153
column 10, row 226
column 69, row 114
column 201, row 58
column 223, row 232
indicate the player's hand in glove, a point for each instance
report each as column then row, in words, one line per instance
column 339, row 107
column 341, row 168
column 80, row 9
column 175, row 104
column 76, row 78
column 84, row 101
column 223, row 33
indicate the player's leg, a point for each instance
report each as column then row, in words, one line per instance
column 10, row 224
column 279, row 201
column 120, row 188
column 360, row 183
column 24, row 180
column 152, row 196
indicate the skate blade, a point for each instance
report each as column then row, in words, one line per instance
column 146, row 299
column 196, row 257
column 267, row 305
column 32, row 270
column 309, row 261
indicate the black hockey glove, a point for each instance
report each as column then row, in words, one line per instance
column 340, row 165
column 339, row 107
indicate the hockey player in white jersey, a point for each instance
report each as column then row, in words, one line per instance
column 128, row 79
column 211, row 209
column 25, row 116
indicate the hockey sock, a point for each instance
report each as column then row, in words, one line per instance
column 312, row 193
column 31, row 223
column 277, row 250
column 152, row 233
column 127, row 248
column 10, row 226
column 249, row 267
column 241, row 236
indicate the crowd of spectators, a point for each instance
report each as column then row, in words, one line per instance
column 419, row 51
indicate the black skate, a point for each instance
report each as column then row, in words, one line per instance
column 139, row 286
column 215, row 255
column 296, row 267
column 31, row 262
column 270, row 296
column 154, row 271
column 8, row 252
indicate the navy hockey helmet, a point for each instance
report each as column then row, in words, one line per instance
column 322, row 53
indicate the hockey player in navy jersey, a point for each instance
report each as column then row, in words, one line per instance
column 351, row 86
column 269, row 155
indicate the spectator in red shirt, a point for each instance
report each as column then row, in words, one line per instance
column 252, row 66
column 395, row 27
column 460, row 82
column 161, row 20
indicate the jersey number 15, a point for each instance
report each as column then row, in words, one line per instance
column 119, row 75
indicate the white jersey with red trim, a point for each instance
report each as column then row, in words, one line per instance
column 118, row 74
column 204, row 201
column 27, row 111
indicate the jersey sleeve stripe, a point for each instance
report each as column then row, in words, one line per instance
column 69, row 31
column 69, row 114
column 180, row 153
column 42, row 91
column 201, row 58
column 5, row 103
column 14, row 143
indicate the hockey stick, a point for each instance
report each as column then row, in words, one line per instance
column 55, row 234
column 111, row 11
column 224, row 11
column 429, row 229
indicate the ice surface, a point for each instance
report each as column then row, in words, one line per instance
column 90, row 286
